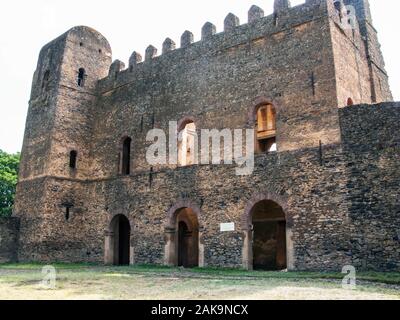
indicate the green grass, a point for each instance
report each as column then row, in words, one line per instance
column 148, row 282
column 380, row 277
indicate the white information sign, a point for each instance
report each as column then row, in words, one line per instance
column 225, row 227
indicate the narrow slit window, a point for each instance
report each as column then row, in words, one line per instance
column 126, row 156
column 81, row 77
column 67, row 213
column 73, row 155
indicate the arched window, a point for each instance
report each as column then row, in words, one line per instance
column 81, row 77
column 73, row 155
column 186, row 143
column 350, row 102
column 126, row 156
column 266, row 128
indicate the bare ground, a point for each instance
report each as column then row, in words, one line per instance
column 76, row 283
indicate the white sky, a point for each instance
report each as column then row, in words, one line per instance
column 129, row 26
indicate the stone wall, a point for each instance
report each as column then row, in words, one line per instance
column 371, row 140
column 297, row 181
column 218, row 82
column 341, row 202
column 9, row 232
column 335, row 173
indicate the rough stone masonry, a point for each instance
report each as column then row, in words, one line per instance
column 327, row 197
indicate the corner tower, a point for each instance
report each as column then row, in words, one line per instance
column 380, row 89
column 61, row 104
column 55, row 154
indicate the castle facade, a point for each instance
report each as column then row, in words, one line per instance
column 309, row 80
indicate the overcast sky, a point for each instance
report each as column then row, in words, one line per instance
column 129, row 25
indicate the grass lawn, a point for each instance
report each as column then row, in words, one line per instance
column 79, row 281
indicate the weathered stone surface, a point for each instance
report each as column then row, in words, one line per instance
column 151, row 52
column 116, row 67
column 187, row 39
column 9, row 234
column 168, row 45
column 281, row 5
column 231, row 22
column 340, row 199
column 134, row 60
column 208, row 30
column 255, row 13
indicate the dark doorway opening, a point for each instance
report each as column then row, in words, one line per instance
column 269, row 236
column 121, row 240
column 183, row 253
column 187, row 238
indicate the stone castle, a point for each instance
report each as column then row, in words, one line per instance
column 310, row 80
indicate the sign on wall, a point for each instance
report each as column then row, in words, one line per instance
column 225, row 227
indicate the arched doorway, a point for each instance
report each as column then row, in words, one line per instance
column 117, row 250
column 182, row 247
column 268, row 236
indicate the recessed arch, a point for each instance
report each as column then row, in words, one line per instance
column 265, row 128
column 256, row 103
column 187, row 141
column 184, row 121
column 265, row 134
column 118, row 249
column 183, row 245
column 267, row 229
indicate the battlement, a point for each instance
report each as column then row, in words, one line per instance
column 325, row 154
column 281, row 21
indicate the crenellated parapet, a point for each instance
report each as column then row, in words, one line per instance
column 231, row 22
column 116, row 67
column 168, row 45
column 151, row 52
column 258, row 25
column 281, row 6
column 134, row 60
column 187, row 39
column 299, row 76
column 208, row 31
column 255, row 13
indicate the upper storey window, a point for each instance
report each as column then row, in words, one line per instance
column 266, row 128
column 186, row 144
column 126, row 156
column 81, row 77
